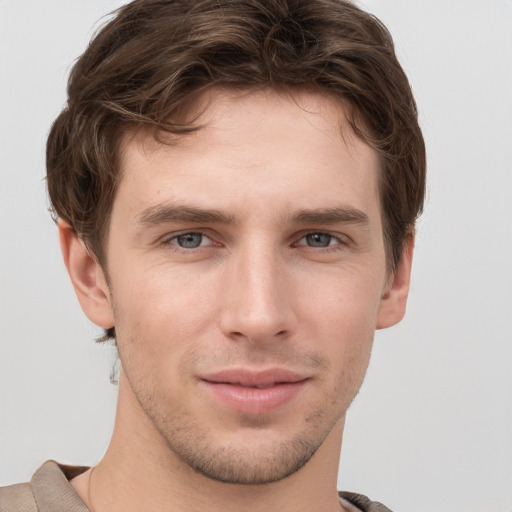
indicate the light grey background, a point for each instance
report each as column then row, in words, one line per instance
column 432, row 427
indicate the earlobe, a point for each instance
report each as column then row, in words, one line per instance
column 87, row 277
column 394, row 300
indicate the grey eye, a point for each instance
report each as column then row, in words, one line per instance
column 318, row 239
column 189, row 240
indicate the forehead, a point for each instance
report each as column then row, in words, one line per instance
column 291, row 150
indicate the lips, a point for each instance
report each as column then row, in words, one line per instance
column 254, row 392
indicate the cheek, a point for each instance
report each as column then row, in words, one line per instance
column 345, row 304
column 341, row 320
column 164, row 290
column 163, row 312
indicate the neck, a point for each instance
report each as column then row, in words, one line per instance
column 140, row 472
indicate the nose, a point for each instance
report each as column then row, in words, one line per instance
column 257, row 297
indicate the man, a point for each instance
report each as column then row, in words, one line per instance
column 236, row 185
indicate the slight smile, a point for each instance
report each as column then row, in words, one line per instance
column 254, row 392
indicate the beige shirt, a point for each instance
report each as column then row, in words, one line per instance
column 49, row 490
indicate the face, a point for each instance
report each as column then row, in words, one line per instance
column 247, row 276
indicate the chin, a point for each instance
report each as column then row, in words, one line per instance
column 257, row 466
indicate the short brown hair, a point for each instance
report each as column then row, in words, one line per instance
column 147, row 61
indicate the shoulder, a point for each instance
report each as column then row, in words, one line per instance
column 49, row 490
column 363, row 503
column 17, row 498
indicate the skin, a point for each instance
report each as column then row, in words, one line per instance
column 277, row 280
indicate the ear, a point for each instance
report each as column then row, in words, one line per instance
column 87, row 277
column 394, row 298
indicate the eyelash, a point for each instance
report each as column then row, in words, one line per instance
column 174, row 246
column 342, row 241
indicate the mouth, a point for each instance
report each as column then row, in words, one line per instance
column 254, row 392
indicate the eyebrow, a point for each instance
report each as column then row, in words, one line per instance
column 338, row 215
column 163, row 214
